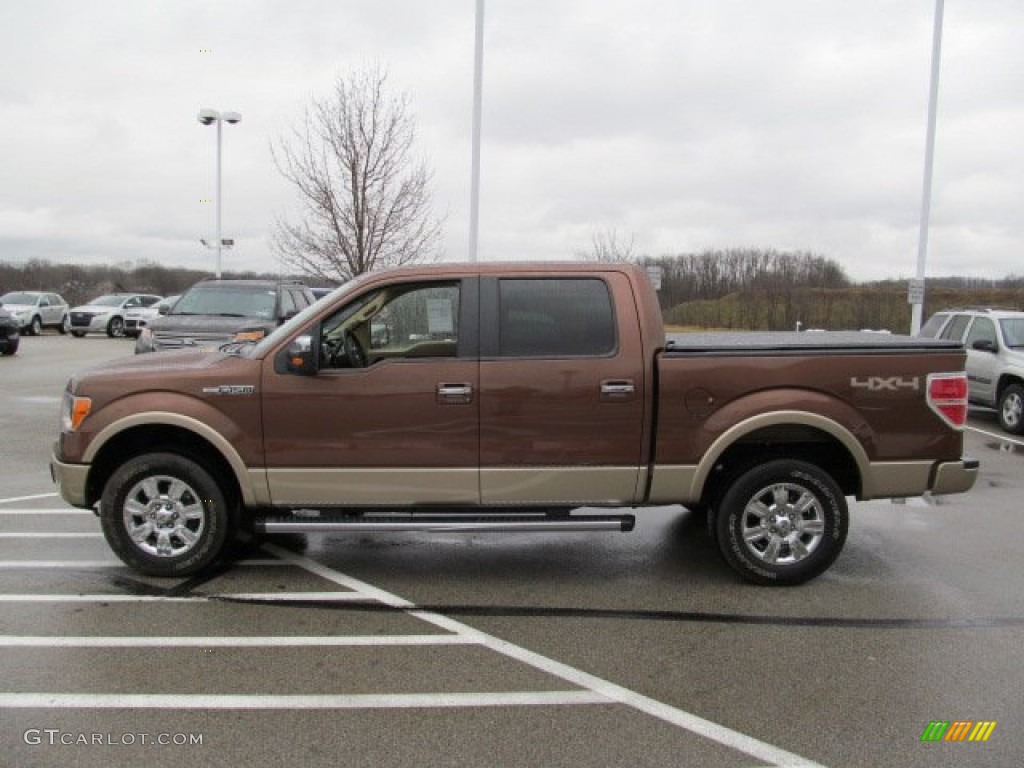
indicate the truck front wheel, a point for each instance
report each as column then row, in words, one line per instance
column 164, row 515
column 783, row 522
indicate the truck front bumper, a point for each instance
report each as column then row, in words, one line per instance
column 955, row 476
column 71, row 481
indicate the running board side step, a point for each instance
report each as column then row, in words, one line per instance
column 461, row 523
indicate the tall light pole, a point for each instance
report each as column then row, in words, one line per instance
column 206, row 117
column 916, row 293
column 478, row 80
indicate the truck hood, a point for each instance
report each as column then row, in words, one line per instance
column 179, row 371
column 207, row 324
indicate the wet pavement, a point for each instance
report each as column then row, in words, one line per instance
column 504, row 649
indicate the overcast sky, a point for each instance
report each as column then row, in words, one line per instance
column 683, row 124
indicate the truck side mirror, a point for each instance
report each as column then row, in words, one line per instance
column 300, row 356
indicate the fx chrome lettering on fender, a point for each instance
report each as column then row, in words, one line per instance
column 886, row 384
column 230, row 389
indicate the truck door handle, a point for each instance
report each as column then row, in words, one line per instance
column 617, row 389
column 454, row 394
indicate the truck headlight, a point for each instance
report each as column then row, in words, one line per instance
column 73, row 410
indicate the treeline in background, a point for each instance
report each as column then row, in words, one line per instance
column 751, row 289
column 79, row 284
column 738, row 289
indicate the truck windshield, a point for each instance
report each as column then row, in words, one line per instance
column 228, row 301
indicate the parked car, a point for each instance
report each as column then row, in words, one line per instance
column 994, row 339
column 106, row 314
column 10, row 333
column 35, row 310
column 137, row 319
column 214, row 312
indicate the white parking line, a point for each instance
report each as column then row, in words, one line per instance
column 18, row 499
column 116, row 563
column 219, row 641
column 99, row 599
column 279, row 597
column 30, row 511
column 1003, row 437
column 596, row 685
column 326, row 701
column 46, row 535
column 9, row 564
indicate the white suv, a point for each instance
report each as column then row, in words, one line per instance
column 994, row 340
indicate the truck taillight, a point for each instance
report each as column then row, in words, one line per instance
column 947, row 396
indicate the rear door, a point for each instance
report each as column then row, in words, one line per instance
column 561, row 390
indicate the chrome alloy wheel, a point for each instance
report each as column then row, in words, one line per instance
column 783, row 523
column 1012, row 411
column 164, row 516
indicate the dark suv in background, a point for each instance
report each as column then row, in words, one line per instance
column 214, row 312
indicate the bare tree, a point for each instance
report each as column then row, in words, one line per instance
column 366, row 200
column 606, row 246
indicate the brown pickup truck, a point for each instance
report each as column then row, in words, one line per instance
column 516, row 397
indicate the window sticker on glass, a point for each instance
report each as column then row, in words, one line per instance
column 439, row 316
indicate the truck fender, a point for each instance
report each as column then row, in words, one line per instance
column 775, row 418
column 252, row 492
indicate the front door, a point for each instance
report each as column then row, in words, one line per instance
column 391, row 415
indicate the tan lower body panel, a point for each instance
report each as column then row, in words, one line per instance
column 559, row 485
column 881, row 480
column 896, row 479
column 673, row 485
column 373, row 487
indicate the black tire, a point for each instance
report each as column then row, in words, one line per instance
column 783, row 522
column 78, row 334
column 35, row 328
column 115, row 328
column 65, row 325
column 11, row 348
column 1011, row 409
column 175, row 509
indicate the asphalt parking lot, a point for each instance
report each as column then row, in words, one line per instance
column 503, row 649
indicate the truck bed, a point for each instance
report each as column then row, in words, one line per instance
column 793, row 342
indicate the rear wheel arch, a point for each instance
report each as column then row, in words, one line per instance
column 793, row 435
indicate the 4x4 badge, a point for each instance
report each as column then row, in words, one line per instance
column 886, row 384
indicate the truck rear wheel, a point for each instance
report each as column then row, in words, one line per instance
column 164, row 515
column 783, row 522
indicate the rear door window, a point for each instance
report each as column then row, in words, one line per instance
column 555, row 317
